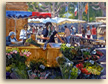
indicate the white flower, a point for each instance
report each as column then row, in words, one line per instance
column 42, row 66
column 91, row 61
column 68, row 45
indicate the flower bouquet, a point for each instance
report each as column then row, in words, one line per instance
column 75, row 72
column 37, row 69
column 15, row 62
column 10, row 54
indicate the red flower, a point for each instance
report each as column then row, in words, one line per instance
column 87, row 58
column 80, row 65
column 84, row 70
column 99, row 53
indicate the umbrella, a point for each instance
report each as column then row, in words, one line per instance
column 17, row 14
column 102, row 26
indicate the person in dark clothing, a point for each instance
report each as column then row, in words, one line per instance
column 83, row 32
column 52, row 37
column 11, row 39
column 51, row 34
column 45, row 34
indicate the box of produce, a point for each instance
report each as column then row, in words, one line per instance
column 90, row 67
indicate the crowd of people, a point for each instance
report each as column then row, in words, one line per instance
column 49, row 33
column 46, row 34
column 89, row 32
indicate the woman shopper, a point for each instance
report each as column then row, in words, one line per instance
column 88, row 32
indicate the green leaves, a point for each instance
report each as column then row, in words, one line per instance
column 74, row 73
column 31, row 41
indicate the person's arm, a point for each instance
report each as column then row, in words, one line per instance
column 91, row 31
column 21, row 34
column 71, row 30
column 8, row 42
column 64, row 33
column 45, row 38
column 28, row 32
column 59, row 38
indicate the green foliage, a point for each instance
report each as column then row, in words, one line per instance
column 21, row 71
column 74, row 73
column 61, row 60
column 92, row 13
column 72, row 53
column 65, row 71
column 35, row 64
column 66, row 51
column 31, row 7
column 31, row 41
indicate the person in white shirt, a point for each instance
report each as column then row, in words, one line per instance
column 88, row 32
column 40, row 30
column 24, row 33
column 73, row 30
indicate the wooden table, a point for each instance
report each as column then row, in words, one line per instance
column 49, row 54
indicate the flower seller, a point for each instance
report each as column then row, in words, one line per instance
column 11, row 39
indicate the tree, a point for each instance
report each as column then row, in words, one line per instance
column 100, row 6
column 52, row 7
column 96, row 9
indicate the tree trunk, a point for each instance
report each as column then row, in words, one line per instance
column 80, row 16
column 103, row 8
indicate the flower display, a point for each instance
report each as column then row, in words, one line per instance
column 80, row 65
column 85, row 71
column 25, row 53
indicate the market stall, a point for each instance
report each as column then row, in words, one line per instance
column 48, row 55
column 17, row 15
column 101, row 33
column 74, row 62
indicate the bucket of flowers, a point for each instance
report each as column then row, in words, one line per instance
column 24, row 54
column 96, row 55
column 74, row 54
column 16, row 62
column 37, row 69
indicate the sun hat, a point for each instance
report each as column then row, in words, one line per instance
column 12, row 33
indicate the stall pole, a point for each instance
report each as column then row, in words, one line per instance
column 15, row 25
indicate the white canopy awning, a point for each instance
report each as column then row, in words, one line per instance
column 94, row 23
column 102, row 26
column 56, row 20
